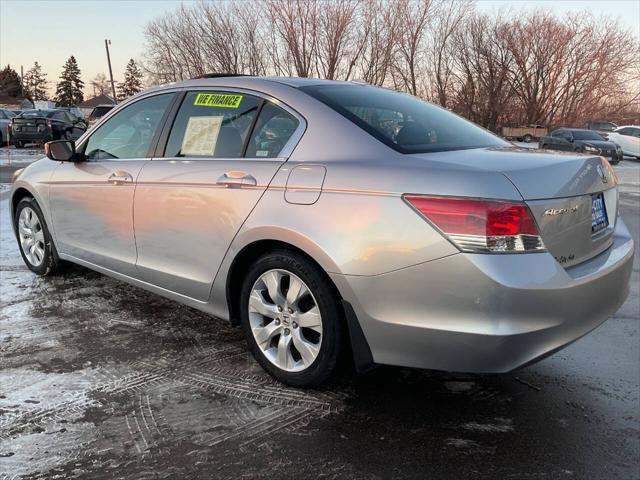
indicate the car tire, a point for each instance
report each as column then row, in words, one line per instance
column 543, row 146
column 528, row 138
column 303, row 354
column 34, row 240
column 19, row 144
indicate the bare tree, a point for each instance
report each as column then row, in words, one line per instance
column 531, row 67
column 448, row 17
column 100, row 85
column 414, row 21
column 336, row 47
column 296, row 23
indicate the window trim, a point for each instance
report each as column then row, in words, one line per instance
column 285, row 153
column 84, row 139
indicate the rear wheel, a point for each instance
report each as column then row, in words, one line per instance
column 19, row 144
column 34, row 240
column 291, row 319
column 528, row 138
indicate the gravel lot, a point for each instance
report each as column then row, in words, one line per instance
column 102, row 380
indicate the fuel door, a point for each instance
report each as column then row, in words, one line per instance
column 304, row 184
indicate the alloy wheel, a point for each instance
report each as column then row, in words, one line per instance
column 285, row 320
column 31, row 236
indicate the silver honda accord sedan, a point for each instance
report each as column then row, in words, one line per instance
column 333, row 219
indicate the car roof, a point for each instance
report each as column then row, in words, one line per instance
column 576, row 129
column 250, row 82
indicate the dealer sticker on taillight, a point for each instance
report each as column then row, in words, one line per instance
column 599, row 220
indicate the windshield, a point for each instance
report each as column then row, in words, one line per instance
column 403, row 122
column 586, row 135
column 100, row 111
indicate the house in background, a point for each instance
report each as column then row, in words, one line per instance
column 15, row 103
column 88, row 105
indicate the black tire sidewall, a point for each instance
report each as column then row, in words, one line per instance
column 50, row 256
column 330, row 310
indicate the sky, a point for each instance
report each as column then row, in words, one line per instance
column 49, row 31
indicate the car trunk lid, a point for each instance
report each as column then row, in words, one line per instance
column 573, row 197
column 28, row 124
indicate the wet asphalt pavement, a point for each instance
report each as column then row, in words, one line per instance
column 102, row 380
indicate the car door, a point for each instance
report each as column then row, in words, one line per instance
column 92, row 200
column 222, row 151
column 555, row 139
column 629, row 140
column 564, row 141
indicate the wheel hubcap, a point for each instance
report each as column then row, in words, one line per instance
column 31, row 236
column 285, row 320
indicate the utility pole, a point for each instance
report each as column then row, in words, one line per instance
column 22, row 81
column 113, row 86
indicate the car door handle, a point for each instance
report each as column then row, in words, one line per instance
column 118, row 178
column 236, row 179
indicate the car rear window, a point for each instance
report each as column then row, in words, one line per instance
column 403, row 122
column 37, row 113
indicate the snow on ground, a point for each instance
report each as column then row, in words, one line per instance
column 11, row 156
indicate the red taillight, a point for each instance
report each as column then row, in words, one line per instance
column 91, row 118
column 481, row 225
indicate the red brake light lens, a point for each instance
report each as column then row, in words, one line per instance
column 481, row 225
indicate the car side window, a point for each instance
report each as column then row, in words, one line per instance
column 566, row 135
column 212, row 124
column 3, row 116
column 272, row 132
column 625, row 131
column 556, row 133
column 129, row 133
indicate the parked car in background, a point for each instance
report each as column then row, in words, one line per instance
column 39, row 126
column 601, row 127
column 75, row 111
column 524, row 134
column 583, row 141
column 97, row 113
column 5, row 121
column 330, row 217
column 628, row 137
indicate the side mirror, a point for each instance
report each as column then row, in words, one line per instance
column 61, row 150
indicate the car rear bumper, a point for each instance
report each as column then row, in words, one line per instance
column 487, row 313
column 31, row 136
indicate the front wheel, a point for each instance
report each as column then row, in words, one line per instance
column 528, row 138
column 291, row 318
column 34, row 240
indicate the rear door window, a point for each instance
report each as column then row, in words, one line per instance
column 272, row 132
column 212, row 124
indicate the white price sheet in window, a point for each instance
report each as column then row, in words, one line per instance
column 201, row 136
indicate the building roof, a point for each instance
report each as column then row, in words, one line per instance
column 14, row 101
column 99, row 100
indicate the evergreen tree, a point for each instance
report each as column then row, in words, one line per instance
column 10, row 82
column 69, row 88
column 35, row 83
column 132, row 83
